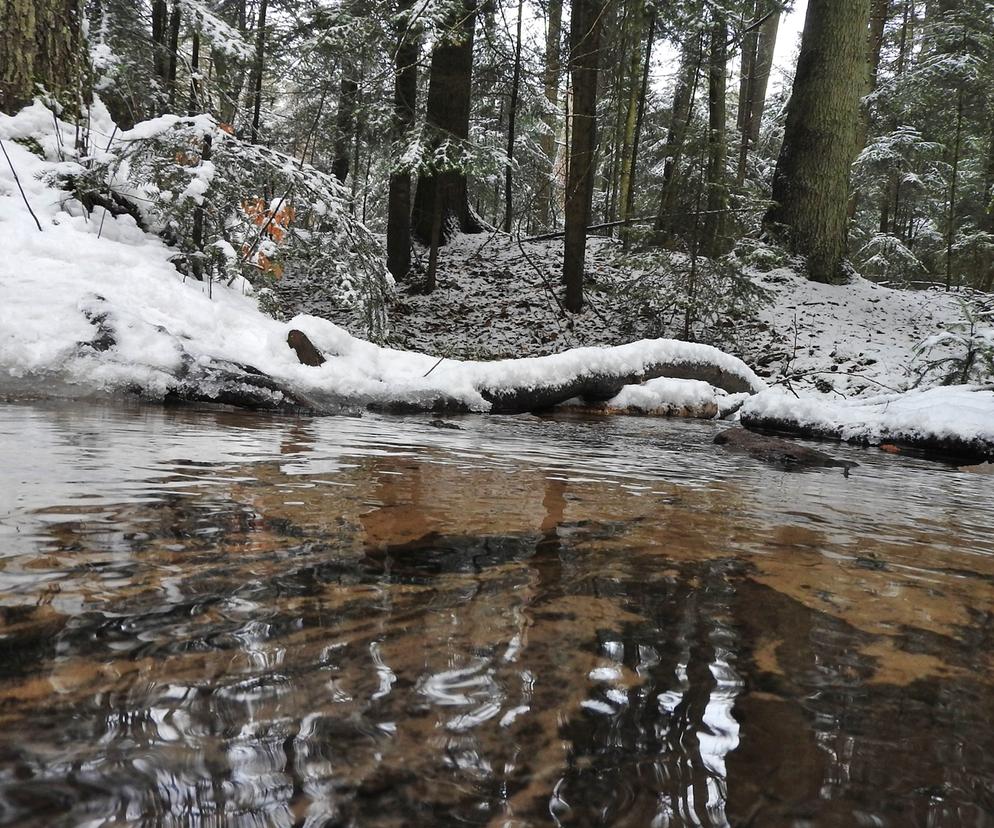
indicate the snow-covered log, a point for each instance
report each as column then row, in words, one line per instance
column 96, row 307
column 600, row 384
column 953, row 420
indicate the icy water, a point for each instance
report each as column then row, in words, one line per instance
column 223, row 619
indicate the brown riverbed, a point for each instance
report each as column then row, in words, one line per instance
column 221, row 619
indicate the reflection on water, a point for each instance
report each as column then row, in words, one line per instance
column 212, row 619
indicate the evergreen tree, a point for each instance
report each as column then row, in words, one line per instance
column 811, row 182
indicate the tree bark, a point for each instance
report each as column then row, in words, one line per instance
column 450, row 88
column 585, row 33
column 551, row 73
column 257, row 68
column 811, row 182
column 761, row 72
column 874, row 45
column 229, row 71
column 175, row 18
column 717, row 190
column 404, row 108
column 682, row 110
column 345, row 119
column 631, row 113
column 512, row 113
column 626, row 234
column 43, row 47
column 757, row 62
column 160, row 57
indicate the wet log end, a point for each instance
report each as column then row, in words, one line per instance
column 306, row 351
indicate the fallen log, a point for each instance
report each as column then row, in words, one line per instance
column 955, row 422
column 600, row 387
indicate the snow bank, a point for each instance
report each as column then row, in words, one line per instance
column 958, row 419
column 91, row 304
column 855, row 339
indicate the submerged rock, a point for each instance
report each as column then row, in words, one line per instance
column 439, row 423
column 779, row 452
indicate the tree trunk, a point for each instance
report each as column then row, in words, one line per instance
column 683, row 105
column 345, row 119
column 229, row 72
column 890, row 195
column 626, row 234
column 874, row 44
column 512, row 113
column 811, row 182
column 757, row 62
column 174, row 26
column 631, row 113
column 717, row 191
column 404, row 107
column 196, row 96
column 987, row 216
column 951, row 209
column 585, row 34
column 160, row 56
column 42, row 47
column 450, row 87
column 551, row 73
column 257, row 68
column 761, row 72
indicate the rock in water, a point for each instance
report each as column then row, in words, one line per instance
column 439, row 423
column 777, row 452
column 307, row 353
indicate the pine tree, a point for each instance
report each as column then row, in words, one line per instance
column 811, row 182
column 404, row 111
column 441, row 201
column 585, row 34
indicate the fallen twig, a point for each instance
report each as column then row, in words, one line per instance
column 19, row 187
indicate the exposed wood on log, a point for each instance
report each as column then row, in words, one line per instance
column 700, row 411
column 304, row 348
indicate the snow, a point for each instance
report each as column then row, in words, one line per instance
column 855, row 339
column 961, row 413
column 82, row 276
column 56, row 284
column 494, row 300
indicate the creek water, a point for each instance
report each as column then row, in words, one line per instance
column 212, row 618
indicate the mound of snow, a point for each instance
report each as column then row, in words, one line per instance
column 957, row 418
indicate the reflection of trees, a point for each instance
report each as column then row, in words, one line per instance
column 441, row 643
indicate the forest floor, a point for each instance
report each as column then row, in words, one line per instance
column 496, row 298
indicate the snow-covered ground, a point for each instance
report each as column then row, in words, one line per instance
column 495, row 299
column 91, row 304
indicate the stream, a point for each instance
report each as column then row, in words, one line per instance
column 220, row 618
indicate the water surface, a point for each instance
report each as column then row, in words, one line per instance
column 213, row 618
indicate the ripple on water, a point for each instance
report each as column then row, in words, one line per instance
column 209, row 616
